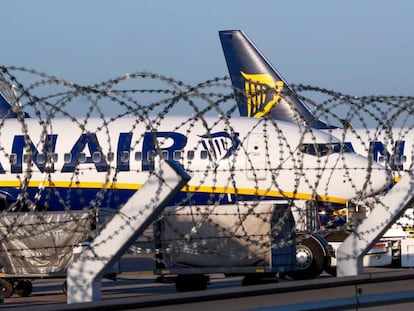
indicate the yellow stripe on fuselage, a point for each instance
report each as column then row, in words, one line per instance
column 202, row 189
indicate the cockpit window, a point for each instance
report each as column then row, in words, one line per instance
column 321, row 150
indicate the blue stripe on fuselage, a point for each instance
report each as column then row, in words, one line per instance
column 59, row 199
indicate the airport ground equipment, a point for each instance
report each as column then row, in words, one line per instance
column 83, row 276
column 44, row 246
column 38, row 245
column 256, row 240
column 387, row 209
column 393, row 249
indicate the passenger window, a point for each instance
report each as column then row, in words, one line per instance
column 203, row 154
column 13, row 158
column 26, row 158
column 41, row 159
column 67, row 158
column 96, row 157
column 178, row 154
column 124, row 156
column 110, row 156
column 54, row 158
column 138, row 156
column 82, row 157
column 164, row 154
column 190, row 155
column 151, row 155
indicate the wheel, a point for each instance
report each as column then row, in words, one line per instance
column 6, row 289
column 24, row 288
column 191, row 282
column 310, row 260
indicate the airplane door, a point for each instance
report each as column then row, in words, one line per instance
column 256, row 157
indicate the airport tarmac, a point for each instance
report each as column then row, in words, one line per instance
column 138, row 283
column 136, row 279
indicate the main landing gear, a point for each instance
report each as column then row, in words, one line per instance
column 23, row 288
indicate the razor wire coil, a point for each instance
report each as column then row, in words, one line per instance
column 47, row 98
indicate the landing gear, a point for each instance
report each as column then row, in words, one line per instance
column 23, row 288
column 6, row 289
column 191, row 282
column 310, row 259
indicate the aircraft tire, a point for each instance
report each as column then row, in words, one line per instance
column 310, row 260
column 6, row 289
column 24, row 288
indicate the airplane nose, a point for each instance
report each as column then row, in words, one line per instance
column 380, row 179
column 372, row 177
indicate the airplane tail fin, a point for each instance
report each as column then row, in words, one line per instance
column 6, row 109
column 260, row 90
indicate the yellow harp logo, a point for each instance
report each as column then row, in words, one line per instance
column 262, row 93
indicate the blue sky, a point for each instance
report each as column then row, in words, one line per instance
column 355, row 47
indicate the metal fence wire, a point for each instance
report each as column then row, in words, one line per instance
column 89, row 147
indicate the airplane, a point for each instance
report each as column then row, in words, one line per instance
column 261, row 90
column 66, row 165
column 56, row 164
column 62, row 166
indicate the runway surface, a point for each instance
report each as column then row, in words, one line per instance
column 137, row 288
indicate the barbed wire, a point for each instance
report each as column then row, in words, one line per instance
column 109, row 129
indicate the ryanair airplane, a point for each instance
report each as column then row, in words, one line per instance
column 63, row 164
column 68, row 164
column 259, row 87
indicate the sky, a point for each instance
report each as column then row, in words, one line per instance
column 355, row 47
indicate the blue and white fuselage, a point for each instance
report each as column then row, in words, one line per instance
column 62, row 164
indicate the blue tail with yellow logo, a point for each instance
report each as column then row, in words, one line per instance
column 260, row 90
